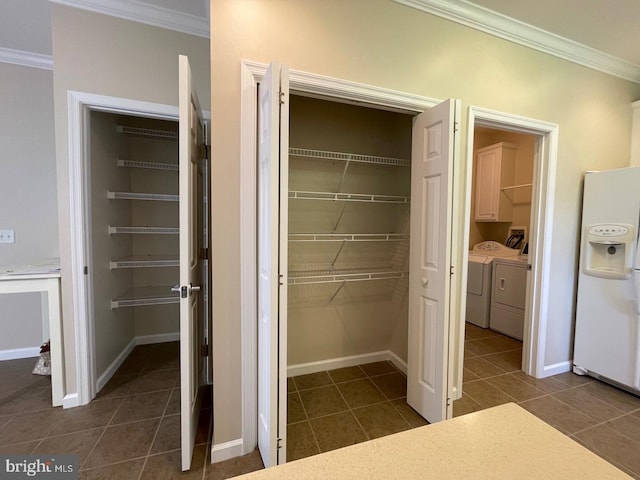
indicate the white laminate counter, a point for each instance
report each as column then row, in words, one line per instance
column 501, row 443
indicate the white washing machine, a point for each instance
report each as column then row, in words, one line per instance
column 481, row 258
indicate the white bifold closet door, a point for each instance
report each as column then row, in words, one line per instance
column 434, row 149
column 193, row 218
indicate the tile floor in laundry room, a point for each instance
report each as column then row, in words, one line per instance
column 131, row 430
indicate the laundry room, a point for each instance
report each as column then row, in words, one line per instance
column 498, row 246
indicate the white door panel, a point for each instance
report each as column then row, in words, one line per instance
column 192, row 220
column 273, row 129
column 429, row 278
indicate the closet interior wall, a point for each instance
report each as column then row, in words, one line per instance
column 331, row 316
column 125, row 265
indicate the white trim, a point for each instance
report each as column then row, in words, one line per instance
column 496, row 24
column 556, row 369
column 71, row 400
column 79, row 103
column 17, row 353
column 26, row 59
column 146, row 13
column 158, row 338
column 541, row 217
column 398, row 362
column 309, row 84
column 224, row 451
column 341, row 362
column 113, row 368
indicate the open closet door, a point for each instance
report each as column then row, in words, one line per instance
column 273, row 167
column 192, row 220
column 432, row 158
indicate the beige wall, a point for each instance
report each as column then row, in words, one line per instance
column 385, row 44
column 27, row 192
column 103, row 55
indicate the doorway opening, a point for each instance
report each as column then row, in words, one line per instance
column 510, row 189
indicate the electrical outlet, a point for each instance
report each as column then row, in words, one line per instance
column 7, row 236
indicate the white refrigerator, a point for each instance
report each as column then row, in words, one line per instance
column 607, row 334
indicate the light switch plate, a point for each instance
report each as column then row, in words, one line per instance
column 7, row 236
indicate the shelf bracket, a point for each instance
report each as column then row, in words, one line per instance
column 337, row 291
column 335, row 226
column 335, row 259
column 344, row 174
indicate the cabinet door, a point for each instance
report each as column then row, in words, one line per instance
column 432, row 159
column 488, row 185
column 193, row 318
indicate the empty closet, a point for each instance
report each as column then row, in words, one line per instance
column 132, row 180
column 348, row 234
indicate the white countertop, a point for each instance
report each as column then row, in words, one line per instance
column 501, row 443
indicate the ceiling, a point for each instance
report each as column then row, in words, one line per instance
column 608, row 27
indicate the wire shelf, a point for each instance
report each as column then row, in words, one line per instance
column 348, row 197
column 351, row 157
column 142, row 296
column 303, row 278
column 144, row 230
column 161, row 197
column 147, row 132
column 144, row 261
column 348, row 237
column 147, row 165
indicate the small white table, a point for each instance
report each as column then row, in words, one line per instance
column 47, row 284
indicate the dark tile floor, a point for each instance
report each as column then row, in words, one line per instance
column 131, row 430
column 604, row 419
column 336, row 408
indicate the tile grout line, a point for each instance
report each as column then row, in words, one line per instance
column 307, row 419
column 101, row 435
column 366, row 435
column 155, row 435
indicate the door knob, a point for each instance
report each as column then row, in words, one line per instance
column 425, row 281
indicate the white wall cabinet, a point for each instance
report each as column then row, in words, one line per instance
column 495, row 175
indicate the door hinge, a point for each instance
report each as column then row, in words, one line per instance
column 450, row 269
column 205, row 253
column 205, row 349
column 281, row 97
column 278, row 443
column 528, row 266
column 448, row 401
column 456, row 126
column 86, row 270
column 205, row 151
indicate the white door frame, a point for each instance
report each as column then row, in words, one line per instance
column 79, row 104
column 543, row 195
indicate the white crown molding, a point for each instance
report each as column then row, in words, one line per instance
column 141, row 12
column 26, row 59
column 493, row 23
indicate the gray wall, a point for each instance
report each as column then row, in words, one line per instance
column 27, row 192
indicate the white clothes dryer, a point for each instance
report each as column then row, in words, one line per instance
column 479, row 280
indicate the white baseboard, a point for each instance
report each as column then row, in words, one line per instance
column 113, row 368
column 398, row 362
column 224, row 451
column 160, row 338
column 341, row 362
column 556, row 369
column 141, row 340
column 71, row 400
column 17, row 353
